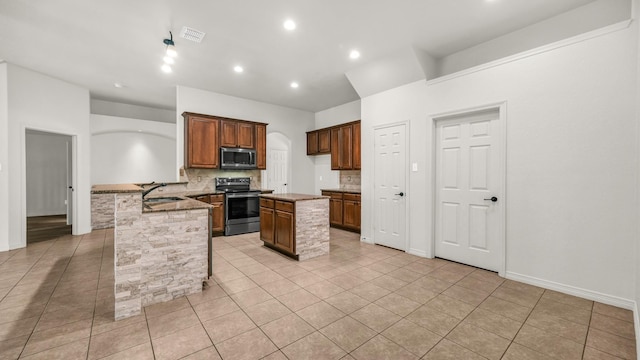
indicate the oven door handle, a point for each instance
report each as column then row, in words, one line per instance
column 242, row 195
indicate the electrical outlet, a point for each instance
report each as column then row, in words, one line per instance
column 199, row 178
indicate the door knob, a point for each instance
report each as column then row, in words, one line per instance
column 493, row 198
column 400, row 193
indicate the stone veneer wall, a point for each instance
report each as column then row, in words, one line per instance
column 350, row 180
column 102, row 210
column 312, row 228
column 159, row 256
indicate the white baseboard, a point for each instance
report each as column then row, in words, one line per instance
column 367, row 240
column 417, row 252
column 575, row 291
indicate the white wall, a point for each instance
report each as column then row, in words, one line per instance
column 636, row 16
column 125, row 150
column 290, row 122
column 325, row 178
column 46, row 171
column 110, row 108
column 39, row 102
column 5, row 206
column 571, row 162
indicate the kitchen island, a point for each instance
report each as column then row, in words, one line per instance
column 295, row 224
column 161, row 247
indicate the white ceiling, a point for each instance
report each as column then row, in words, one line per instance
column 95, row 44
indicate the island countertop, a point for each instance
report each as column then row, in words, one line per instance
column 180, row 205
column 292, row 197
column 115, row 188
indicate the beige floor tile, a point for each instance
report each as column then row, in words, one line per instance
column 405, row 275
column 53, row 319
column 280, row 287
column 212, row 309
column 432, row 284
column 516, row 296
column 181, row 343
column 305, row 279
column 612, row 344
column 211, row 292
column 594, row 354
column 117, row 340
column 265, row 277
column 106, row 322
column 471, row 297
column 492, row 322
column 564, row 311
column 433, row 320
column 73, row 350
column 444, row 275
column 251, row 297
column 320, row 314
column 568, row 299
column 17, row 328
column 346, row 281
column 412, row 337
column 298, row 299
column 287, row 330
column 506, row 308
column 382, row 348
column 612, row 311
column 347, row 302
column 140, row 352
column 348, row 333
column 416, row 293
column 375, row 317
column 388, row 282
column 278, row 355
column 519, row 352
column 237, row 285
column 397, row 304
column 447, row 350
column 365, row 273
column 250, row 345
column 11, row 349
column 479, row 341
column 473, row 283
column 227, row 326
column 57, row 336
column 313, row 346
column 267, row 311
column 450, row 306
column 209, row 353
column 164, row 325
column 369, row 291
column 419, row 267
column 324, row 289
column 548, row 343
column 612, row 325
column 382, row 267
column 166, row 307
column 559, row 326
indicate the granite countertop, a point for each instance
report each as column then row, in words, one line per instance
column 179, row 205
column 343, row 191
column 115, row 188
column 293, row 197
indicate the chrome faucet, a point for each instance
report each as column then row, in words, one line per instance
column 146, row 192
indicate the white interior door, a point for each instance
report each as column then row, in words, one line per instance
column 69, row 200
column 390, row 222
column 469, row 226
column 277, row 170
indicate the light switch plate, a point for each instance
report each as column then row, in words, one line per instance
column 414, row 167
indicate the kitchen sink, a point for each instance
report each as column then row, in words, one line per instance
column 161, row 200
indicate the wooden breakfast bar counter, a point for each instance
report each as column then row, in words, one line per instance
column 295, row 224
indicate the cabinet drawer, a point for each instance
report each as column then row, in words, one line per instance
column 217, row 198
column 352, row 197
column 266, row 203
column 336, row 195
column 284, row 206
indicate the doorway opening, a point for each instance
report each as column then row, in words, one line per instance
column 49, row 185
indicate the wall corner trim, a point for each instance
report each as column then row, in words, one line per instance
column 575, row 291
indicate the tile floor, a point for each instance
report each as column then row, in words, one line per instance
column 360, row 302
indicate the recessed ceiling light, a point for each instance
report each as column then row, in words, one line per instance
column 166, row 68
column 289, row 24
column 238, row 69
column 294, row 85
column 118, row 85
column 354, row 54
column 169, row 60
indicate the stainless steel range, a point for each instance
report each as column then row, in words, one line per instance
column 241, row 205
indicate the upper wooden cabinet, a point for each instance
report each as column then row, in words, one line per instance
column 319, row 142
column 356, row 146
column 201, row 149
column 205, row 134
column 261, row 146
column 237, row 134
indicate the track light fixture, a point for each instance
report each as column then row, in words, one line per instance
column 171, row 53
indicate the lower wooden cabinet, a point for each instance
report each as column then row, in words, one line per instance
column 217, row 212
column 277, row 224
column 344, row 210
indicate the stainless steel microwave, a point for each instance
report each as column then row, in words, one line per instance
column 237, row 158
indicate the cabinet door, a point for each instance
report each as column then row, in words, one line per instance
column 284, row 231
column 218, row 216
column 228, row 133
column 346, row 147
column 349, row 216
column 261, row 146
column 358, row 210
column 312, row 143
column 335, row 212
column 335, row 149
column 356, row 146
column 324, row 141
column 246, row 133
column 267, row 224
column 201, row 142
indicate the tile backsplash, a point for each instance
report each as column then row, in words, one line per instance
column 350, row 179
column 204, row 179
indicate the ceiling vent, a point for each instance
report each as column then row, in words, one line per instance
column 192, row 34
